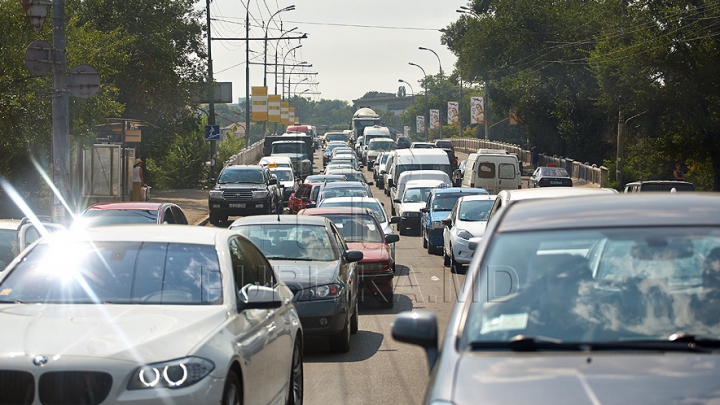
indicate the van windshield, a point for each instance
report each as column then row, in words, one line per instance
column 428, row 166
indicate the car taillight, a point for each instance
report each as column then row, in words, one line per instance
column 544, row 182
column 472, row 184
column 567, row 183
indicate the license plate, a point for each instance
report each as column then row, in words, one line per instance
column 555, row 181
column 258, row 205
column 237, row 205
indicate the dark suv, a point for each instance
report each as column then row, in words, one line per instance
column 244, row 190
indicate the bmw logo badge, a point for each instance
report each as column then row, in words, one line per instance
column 40, row 360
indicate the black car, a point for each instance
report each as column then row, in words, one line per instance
column 550, row 177
column 583, row 300
column 311, row 256
column 244, row 190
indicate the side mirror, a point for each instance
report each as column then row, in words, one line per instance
column 273, row 180
column 311, row 205
column 424, row 209
column 353, row 256
column 418, row 328
column 212, row 180
column 395, row 220
column 305, row 200
column 392, row 238
column 390, row 183
column 397, row 200
column 383, row 172
column 447, row 222
column 370, row 183
column 254, row 296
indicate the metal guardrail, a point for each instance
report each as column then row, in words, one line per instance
column 246, row 156
column 583, row 171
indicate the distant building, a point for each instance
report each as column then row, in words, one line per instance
column 385, row 102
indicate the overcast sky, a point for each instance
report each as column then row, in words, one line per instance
column 354, row 46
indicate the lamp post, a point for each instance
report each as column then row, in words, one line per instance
column 283, row 70
column 426, row 97
column 440, row 90
column 288, row 8
column 303, row 64
column 411, row 89
column 296, row 84
column 276, row 55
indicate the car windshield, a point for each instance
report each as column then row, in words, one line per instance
column 357, row 228
column 445, row 167
column 295, row 147
column 354, row 176
column 241, row 176
column 554, row 172
column 444, row 201
column 283, row 175
column 383, row 146
column 322, row 178
column 416, row 194
column 383, row 159
column 475, row 210
column 336, row 137
column 290, row 241
column 116, row 273
column 374, row 206
column 118, row 217
column 604, row 285
column 359, row 191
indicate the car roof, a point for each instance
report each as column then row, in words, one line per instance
column 279, row 219
column 13, row 224
column 460, row 190
column 143, row 233
column 422, row 183
column 344, row 184
column 130, row 205
column 352, row 199
column 243, row 167
column 478, row 197
column 551, row 192
column 658, row 182
column 337, row 210
column 622, row 210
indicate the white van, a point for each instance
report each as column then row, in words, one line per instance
column 402, row 160
column 412, row 175
column 493, row 170
column 370, row 133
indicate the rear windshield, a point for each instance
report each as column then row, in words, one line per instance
column 116, row 273
column 119, row 217
column 336, row 137
column 298, row 147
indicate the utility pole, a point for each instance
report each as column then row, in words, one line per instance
column 485, row 112
column 61, row 114
column 460, row 109
column 620, row 136
column 211, row 91
column 247, row 74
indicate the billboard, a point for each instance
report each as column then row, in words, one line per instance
column 259, row 103
column 273, row 108
column 434, row 119
column 284, row 106
column 420, row 124
column 453, row 113
column 477, row 110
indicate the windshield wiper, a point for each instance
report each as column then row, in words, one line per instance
column 303, row 259
column 521, row 343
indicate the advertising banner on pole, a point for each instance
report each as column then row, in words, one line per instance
column 406, row 131
column 434, row 119
column 514, row 119
column 273, row 108
column 284, row 106
column 291, row 116
column 420, row 124
column 453, row 113
column 477, row 110
column 259, row 103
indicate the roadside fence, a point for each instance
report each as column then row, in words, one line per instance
column 583, row 171
column 247, row 156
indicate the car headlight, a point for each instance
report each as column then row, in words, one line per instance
column 216, row 194
column 462, row 233
column 171, row 374
column 260, row 194
column 320, row 292
column 437, row 225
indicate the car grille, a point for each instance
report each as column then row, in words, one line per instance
column 74, row 387
column 237, row 195
column 23, row 387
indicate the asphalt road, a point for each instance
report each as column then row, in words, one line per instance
column 379, row 370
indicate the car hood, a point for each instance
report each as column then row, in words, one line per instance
column 439, row 215
column 304, row 274
column 242, row 186
column 411, row 207
column 122, row 332
column 372, row 252
column 476, row 228
column 607, row 378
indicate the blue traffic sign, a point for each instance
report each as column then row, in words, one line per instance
column 212, row 132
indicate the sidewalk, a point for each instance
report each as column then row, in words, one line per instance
column 193, row 202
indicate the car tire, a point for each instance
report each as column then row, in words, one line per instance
column 297, row 384
column 392, row 210
column 340, row 342
column 455, row 267
column 232, row 394
column 354, row 321
column 425, row 241
column 446, row 258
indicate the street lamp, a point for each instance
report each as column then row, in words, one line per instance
column 283, row 72
column 276, row 54
column 440, row 89
column 288, row 8
column 296, row 84
column 411, row 89
column 301, row 64
column 426, row 97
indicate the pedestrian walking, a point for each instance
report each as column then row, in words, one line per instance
column 138, row 180
column 535, row 156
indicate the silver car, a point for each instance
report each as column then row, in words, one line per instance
column 584, row 300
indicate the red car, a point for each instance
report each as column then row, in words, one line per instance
column 363, row 232
column 124, row 213
column 305, row 194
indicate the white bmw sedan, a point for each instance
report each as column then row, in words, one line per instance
column 147, row 314
column 467, row 220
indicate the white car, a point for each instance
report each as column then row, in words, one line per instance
column 286, row 178
column 279, row 161
column 413, row 199
column 467, row 220
column 148, row 314
column 366, row 202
